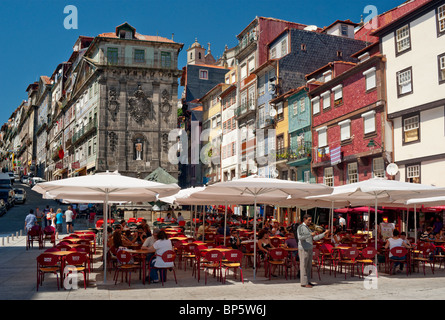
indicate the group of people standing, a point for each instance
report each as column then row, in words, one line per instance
column 48, row 217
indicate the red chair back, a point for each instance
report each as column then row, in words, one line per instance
column 168, row 256
column 76, row 258
column 181, row 223
column 275, row 242
column 250, row 247
column 277, row 254
column 83, row 248
column 351, row 253
column 49, row 230
column 326, row 248
column 47, row 259
column 123, row 256
column 63, row 247
column 399, row 251
column 234, row 255
column 53, row 249
column 214, row 256
column 369, row 253
column 190, row 247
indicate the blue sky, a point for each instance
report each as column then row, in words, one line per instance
column 35, row 40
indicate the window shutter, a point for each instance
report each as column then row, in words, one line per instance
column 316, row 105
column 345, row 129
column 369, row 122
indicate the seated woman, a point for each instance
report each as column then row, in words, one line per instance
column 264, row 245
column 161, row 245
column 394, row 242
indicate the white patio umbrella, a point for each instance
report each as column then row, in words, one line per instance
column 107, row 186
column 257, row 189
column 379, row 189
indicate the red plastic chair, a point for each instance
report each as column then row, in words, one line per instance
column 167, row 256
column 47, row 263
column 124, row 264
column 328, row 254
column 181, row 223
column 49, row 233
column 367, row 257
column 276, row 242
column 35, row 234
column 249, row 254
column 276, row 257
column 88, row 251
column 77, row 261
column 399, row 252
column 349, row 258
column 233, row 261
column 426, row 256
column 188, row 254
column 213, row 260
column 64, row 247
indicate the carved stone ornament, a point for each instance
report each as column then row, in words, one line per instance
column 140, row 107
column 113, row 140
column 113, row 104
column 166, row 107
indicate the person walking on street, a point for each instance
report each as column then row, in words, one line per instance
column 305, row 246
column 58, row 221
column 40, row 218
column 69, row 217
column 30, row 220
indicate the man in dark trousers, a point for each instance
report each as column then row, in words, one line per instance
column 305, row 245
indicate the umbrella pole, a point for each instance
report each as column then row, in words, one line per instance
column 376, row 235
column 415, row 225
column 105, row 236
column 254, row 241
column 369, row 218
column 225, row 224
column 203, row 224
column 331, row 221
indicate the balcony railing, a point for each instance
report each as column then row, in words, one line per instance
column 84, row 131
column 245, row 108
column 245, row 42
column 304, row 151
column 141, row 63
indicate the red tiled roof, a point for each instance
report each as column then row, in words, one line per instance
column 138, row 36
column 366, row 33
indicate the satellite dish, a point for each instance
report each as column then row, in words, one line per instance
column 392, row 169
column 273, row 112
column 254, row 169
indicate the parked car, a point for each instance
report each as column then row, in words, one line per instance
column 20, row 195
column 7, row 195
column 35, row 180
column 11, row 176
column 24, row 179
column 3, row 208
column 16, row 177
column 5, row 180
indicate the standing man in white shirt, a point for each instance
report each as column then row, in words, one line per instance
column 69, row 216
column 342, row 222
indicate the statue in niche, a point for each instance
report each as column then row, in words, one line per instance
column 113, row 104
column 113, row 140
column 140, row 107
column 138, row 149
column 166, row 108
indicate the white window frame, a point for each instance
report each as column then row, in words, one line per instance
column 284, row 47
column 411, row 124
column 315, row 105
column 353, row 174
column 413, row 171
column 295, row 107
column 369, row 123
column 441, row 18
column 322, row 136
column 302, row 104
column 203, row 72
column 405, row 81
column 403, row 41
column 338, row 93
column 326, row 99
column 378, row 168
column 370, row 78
column 345, row 130
column 328, row 176
column 442, row 67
